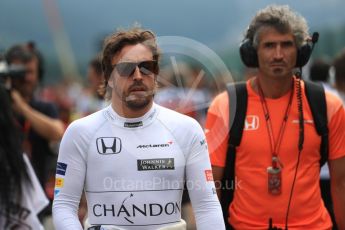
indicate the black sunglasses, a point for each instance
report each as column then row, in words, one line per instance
column 126, row 69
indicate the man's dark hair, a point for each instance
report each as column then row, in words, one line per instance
column 319, row 70
column 13, row 171
column 25, row 53
column 339, row 67
column 96, row 64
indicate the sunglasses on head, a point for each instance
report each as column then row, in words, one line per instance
column 127, row 69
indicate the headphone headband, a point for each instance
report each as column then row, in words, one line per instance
column 250, row 58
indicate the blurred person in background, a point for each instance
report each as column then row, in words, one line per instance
column 21, row 195
column 38, row 119
column 185, row 90
column 320, row 72
column 90, row 99
column 339, row 71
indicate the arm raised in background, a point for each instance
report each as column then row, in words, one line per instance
column 50, row 128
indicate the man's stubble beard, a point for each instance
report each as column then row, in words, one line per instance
column 138, row 103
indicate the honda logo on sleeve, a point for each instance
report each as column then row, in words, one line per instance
column 251, row 123
column 108, row 145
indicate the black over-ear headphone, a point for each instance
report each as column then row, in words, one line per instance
column 250, row 58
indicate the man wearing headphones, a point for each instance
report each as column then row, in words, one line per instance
column 277, row 170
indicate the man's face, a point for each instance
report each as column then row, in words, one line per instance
column 27, row 85
column 136, row 89
column 277, row 53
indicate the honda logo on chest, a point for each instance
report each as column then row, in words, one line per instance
column 251, row 123
column 108, row 145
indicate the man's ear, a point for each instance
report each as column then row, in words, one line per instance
column 111, row 82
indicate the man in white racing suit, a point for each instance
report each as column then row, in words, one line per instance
column 134, row 157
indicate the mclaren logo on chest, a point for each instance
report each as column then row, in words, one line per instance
column 108, row 145
column 167, row 144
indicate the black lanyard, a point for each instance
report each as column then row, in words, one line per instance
column 275, row 145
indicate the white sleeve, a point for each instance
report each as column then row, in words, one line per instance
column 200, row 184
column 70, row 177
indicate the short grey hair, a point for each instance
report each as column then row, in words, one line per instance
column 283, row 19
